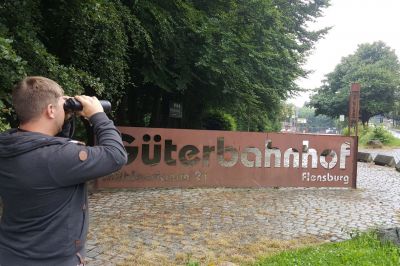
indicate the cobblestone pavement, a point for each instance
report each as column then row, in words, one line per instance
column 161, row 227
column 167, row 226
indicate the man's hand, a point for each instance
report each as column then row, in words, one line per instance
column 91, row 105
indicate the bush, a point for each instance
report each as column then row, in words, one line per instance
column 218, row 120
column 377, row 133
column 368, row 134
column 3, row 125
column 272, row 126
column 382, row 134
column 346, row 132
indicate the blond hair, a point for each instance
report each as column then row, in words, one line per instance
column 32, row 95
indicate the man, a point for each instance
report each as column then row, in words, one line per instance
column 42, row 177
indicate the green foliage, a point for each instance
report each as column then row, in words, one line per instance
column 252, row 52
column 369, row 133
column 12, row 69
column 218, row 120
column 346, row 131
column 395, row 113
column 378, row 133
column 315, row 123
column 23, row 53
column 376, row 67
column 239, row 56
column 256, row 120
column 98, row 43
column 3, row 125
column 363, row 249
column 271, row 125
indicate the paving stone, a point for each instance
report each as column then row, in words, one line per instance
column 170, row 223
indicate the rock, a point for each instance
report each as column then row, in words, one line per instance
column 389, row 235
column 375, row 144
column 385, row 160
column 398, row 166
column 364, row 157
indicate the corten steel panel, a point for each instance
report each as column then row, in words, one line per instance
column 354, row 103
column 204, row 158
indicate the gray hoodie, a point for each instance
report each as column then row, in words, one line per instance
column 42, row 185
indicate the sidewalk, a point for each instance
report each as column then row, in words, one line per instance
column 166, row 226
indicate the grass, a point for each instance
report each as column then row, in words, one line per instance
column 393, row 143
column 364, row 249
column 217, row 252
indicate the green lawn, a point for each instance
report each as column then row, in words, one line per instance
column 364, row 249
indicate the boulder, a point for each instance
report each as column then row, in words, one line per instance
column 389, row 235
column 398, row 166
column 364, row 157
column 385, row 160
column 375, row 144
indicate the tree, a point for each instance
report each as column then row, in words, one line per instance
column 240, row 57
column 376, row 67
column 315, row 123
column 251, row 54
column 22, row 52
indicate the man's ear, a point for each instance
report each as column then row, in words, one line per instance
column 50, row 111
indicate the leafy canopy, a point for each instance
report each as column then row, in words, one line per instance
column 376, row 67
column 240, row 57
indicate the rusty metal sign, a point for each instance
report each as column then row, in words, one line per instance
column 207, row 158
column 354, row 104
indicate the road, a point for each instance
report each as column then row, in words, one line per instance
column 395, row 133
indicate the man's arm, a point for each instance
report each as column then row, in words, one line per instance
column 72, row 163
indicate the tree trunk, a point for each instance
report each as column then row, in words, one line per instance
column 121, row 118
column 156, row 110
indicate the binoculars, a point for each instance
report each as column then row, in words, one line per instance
column 73, row 105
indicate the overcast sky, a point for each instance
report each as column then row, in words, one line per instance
column 354, row 22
